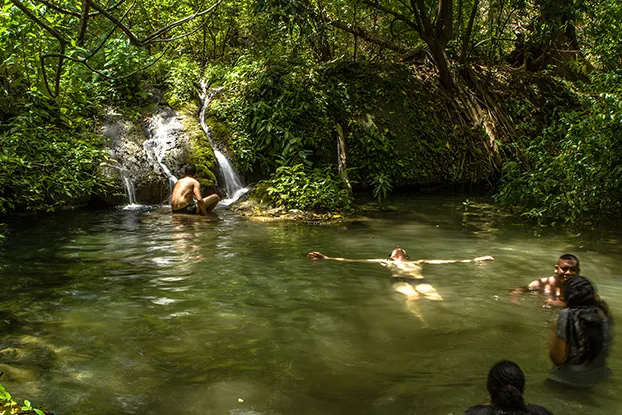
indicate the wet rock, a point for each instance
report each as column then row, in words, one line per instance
column 144, row 154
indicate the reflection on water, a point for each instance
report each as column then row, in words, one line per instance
column 141, row 312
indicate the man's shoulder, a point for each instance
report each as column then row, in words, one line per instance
column 541, row 282
column 187, row 181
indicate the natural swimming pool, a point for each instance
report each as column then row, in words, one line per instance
column 138, row 312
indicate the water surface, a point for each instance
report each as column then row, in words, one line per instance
column 139, row 312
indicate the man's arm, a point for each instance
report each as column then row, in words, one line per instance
column 533, row 286
column 453, row 261
column 196, row 190
column 558, row 349
column 318, row 255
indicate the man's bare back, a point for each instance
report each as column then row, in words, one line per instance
column 186, row 197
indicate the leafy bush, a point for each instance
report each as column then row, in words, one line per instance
column 297, row 188
column 278, row 114
column 183, row 79
column 573, row 170
column 46, row 167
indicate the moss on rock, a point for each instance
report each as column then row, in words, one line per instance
column 202, row 154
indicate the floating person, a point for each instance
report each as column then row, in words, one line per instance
column 407, row 275
column 186, row 197
column 552, row 287
column 506, row 384
column 580, row 343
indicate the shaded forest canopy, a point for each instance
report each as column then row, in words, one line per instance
column 322, row 97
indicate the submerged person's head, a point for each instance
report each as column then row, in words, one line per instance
column 190, row 170
column 579, row 292
column 399, row 254
column 567, row 267
column 506, row 383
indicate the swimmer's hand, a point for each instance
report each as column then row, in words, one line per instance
column 316, row 255
column 483, row 258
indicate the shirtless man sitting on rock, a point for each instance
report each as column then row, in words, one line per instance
column 407, row 275
column 187, row 198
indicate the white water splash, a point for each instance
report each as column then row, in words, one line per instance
column 130, row 192
column 232, row 182
column 163, row 127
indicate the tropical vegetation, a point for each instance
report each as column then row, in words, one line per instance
column 323, row 99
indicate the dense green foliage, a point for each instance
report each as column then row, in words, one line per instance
column 295, row 188
column 44, row 166
column 572, row 171
column 405, row 89
column 395, row 127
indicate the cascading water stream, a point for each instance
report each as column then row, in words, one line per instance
column 163, row 127
column 232, row 182
column 129, row 190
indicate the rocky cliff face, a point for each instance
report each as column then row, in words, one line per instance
column 142, row 151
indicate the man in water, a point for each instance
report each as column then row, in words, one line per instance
column 187, row 198
column 407, row 275
column 552, row 287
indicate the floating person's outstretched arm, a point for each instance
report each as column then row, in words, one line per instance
column 318, row 255
column 453, row 261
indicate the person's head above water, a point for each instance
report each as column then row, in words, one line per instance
column 398, row 254
column 190, row 170
column 579, row 292
column 506, row 383
column 567, row 267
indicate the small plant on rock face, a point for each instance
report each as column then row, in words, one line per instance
column 382, row 186
column 294, row 187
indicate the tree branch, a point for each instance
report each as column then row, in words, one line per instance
column 414, row 25
column 103, row 42
column 148, row 39
column 133, row 39
column 373, row 38
column 100, row 73
column 58, row 8
column 38, row 21
column 84, row 18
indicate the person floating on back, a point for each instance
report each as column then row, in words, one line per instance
column 552, row 287
column 407, row 275
column 186, row 197
column 506, row 384
column 580, row 344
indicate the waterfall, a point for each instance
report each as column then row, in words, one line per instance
column 130, row 191
column 163, row 128
column 232, row 182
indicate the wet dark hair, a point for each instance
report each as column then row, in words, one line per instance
column 569, row 257
column 579, row 292
column 506, row 383
column 190, row 170
column 585, row 314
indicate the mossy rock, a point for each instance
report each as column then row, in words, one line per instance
column 202, row 154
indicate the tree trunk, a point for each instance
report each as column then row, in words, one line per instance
column 341, row 157
column 442, row 63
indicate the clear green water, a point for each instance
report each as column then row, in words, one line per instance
column 124, row 312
